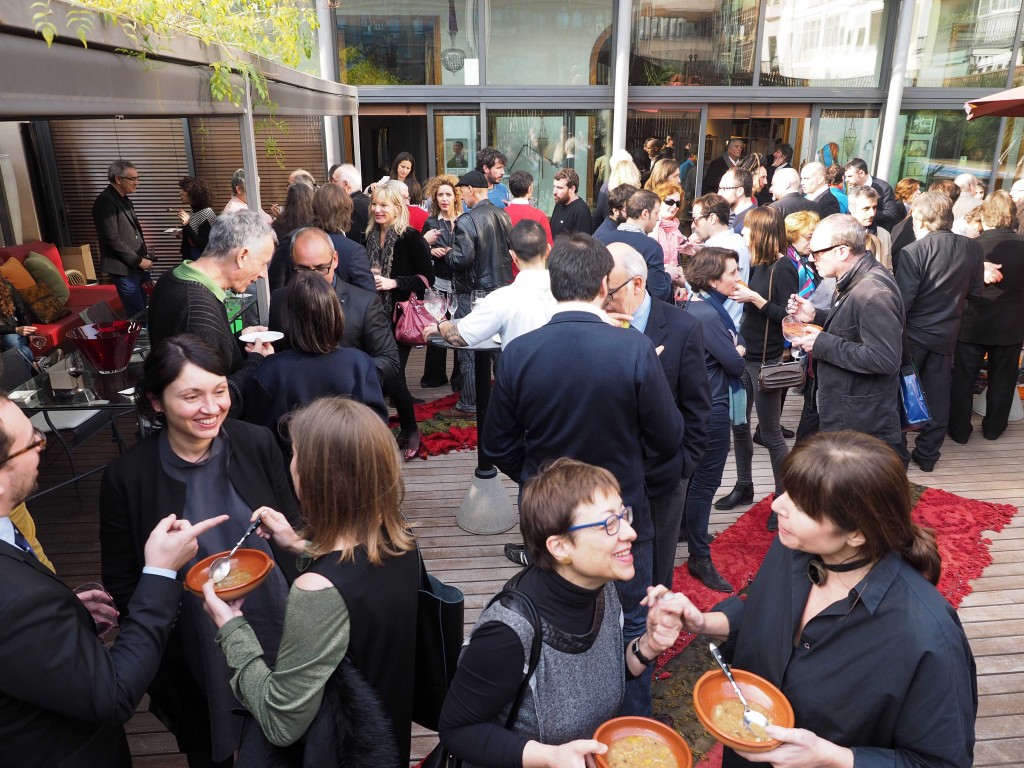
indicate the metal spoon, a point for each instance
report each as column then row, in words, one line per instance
column 755, row 721
column 221, row 567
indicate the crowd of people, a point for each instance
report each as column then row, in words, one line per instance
column 618, row 454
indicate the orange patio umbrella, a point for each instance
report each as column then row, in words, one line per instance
column 1003, row 104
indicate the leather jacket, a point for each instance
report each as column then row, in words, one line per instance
column 480, row 259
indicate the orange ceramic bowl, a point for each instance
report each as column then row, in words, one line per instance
column 620, row 727
column 256, row 564
column 713, row 688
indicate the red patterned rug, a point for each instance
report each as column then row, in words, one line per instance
column 438, row 433
column 957, row 522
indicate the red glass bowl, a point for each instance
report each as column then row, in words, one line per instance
column 257, row 563
column 107, row 346
column 713, row 688
column 620, row 727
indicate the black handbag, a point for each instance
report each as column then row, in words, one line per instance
column 441, row 757
column 440, row 618
column 784, row 375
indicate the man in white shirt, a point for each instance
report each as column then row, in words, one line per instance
column 519, row 308
column 711, row 223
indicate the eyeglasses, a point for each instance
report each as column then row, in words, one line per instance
column 130, row 178
column 701, row 216
column 820, row 251
column 726, row 189
column 320, row 269
column 670, row 202
column 619, row 288
column 611, row 525
column 38, row 441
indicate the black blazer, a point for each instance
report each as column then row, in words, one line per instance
column 360, row 217
column 136, row 493
column 997, row 316
column 827, row 203
column 888, row 215
column 367, row 327
column 63, row 696
column 122, row 245
column 682, row 360
column 794, row 202
column 353, row 263
column 604, row 408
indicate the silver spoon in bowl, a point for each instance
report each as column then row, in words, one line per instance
column 755, row 721
column 221, row 567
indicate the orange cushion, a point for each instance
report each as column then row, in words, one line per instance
column 15, row 271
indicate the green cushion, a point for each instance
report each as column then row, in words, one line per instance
column 42, row 269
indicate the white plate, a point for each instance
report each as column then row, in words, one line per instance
column 172, row 231
column 21, row 395
column 265, row 336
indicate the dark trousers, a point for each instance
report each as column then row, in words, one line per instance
column 667, row 512
column 769, row 413
column 129, row 289
column 435, row 363
column 934, row 369
column 1003, row 362
column 810, row 422
column 399, row 391
column 705, row 482
column 637, row 696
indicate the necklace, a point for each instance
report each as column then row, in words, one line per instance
column 202, row 456
column 818, row 570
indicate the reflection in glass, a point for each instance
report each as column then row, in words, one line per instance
column 457, row 140
column 542, row 141
column 962, row 43
column 844, row 134
column 693, row 42
column 934, row 144
column 681, row 127
column 823, row 42
column 537, row 42
column 1011, row 158
column 407, row 42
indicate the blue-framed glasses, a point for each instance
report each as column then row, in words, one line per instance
column 611, row 525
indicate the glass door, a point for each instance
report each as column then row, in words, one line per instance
column 456, row 140
column 844, row 134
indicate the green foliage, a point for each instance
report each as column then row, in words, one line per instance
column 357, row 68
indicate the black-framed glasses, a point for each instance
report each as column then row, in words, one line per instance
column 815, row 254
column 611, row 525
column 670, row 202
column 130, row 178
column 726, row 189
column 320, row 269
column 698, row 218
column 615, row 290
column 38, row 441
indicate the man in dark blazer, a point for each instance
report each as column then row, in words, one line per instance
column 812, row 181
column 606, row 408
column 716, row 168
column 641, row 218
column 348, row 177
column 123, row 253
column 888, row 211
column 366, row 324
column 63, row 695
column 936, row 276
column 788, row 195
column 681, row 341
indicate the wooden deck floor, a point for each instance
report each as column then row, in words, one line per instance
column 993, row 615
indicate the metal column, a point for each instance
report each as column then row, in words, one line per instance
column 897, row 77
column 252, row 189
column 620, row 76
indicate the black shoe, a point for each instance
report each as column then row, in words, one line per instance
column 432, row 383
column 702, row 569
column 923, row 465
column 742, row 493
column 773, row 522
column 517, row 554
column 788, row 433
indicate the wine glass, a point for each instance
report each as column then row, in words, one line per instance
column 104, row 624
column 793, row 328
column 434, row 303
column 475, row 298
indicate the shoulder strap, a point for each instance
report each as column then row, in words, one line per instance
column 521, row 603
column 768, row 299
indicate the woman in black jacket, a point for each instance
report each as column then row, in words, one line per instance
column 773, row 279
column 401, row 264
column 195, row 225
column 201, row 464
column 439, row 232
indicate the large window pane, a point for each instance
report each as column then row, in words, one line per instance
column 693, row 42
column 1011, row 159
column 934, row 144
column 537, row 42
column 456, row 140
column 962, row 43
column 542, row 141
column 407, row 42
column 846, row 134
column 823, row 42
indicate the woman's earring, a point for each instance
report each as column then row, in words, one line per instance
column 566, row 561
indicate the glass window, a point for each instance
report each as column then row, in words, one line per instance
column 844, row 134
column 962, row 43
column 543, row 141
column 934, row 144
column 822, row 42
column 1011, row 159
column 693, row 42
column 457, row 140
column 537, row 42
column 406, row 42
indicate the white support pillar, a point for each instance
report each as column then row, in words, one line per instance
column 328, row 49
column 252, row 188
column 620, row 74
column 897, row 77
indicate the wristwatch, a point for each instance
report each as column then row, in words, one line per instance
column 635, row 648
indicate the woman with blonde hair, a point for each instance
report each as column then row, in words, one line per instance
column 341, row 682
column 445, row 199
column 401, row 263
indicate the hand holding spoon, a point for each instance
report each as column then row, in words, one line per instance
column 755, row 721
column 221, row 567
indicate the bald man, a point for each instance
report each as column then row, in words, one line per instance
column 787, row 193
column 816, row 189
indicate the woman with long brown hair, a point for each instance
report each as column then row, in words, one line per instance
column 665, row 170
column 349, row 636
column 403, row 169
column 446, row 206
column 844, row 618
column 773, row 278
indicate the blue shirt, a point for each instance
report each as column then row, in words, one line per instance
column 499, row 195
column 642, row 314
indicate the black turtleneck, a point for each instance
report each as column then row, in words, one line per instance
column 491, row 670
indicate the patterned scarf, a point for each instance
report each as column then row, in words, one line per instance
column 807, row 278
column 381, row 257
column 7, row 309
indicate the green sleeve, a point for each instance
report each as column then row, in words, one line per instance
column 285, row 700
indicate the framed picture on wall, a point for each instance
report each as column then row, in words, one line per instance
column 918, row 146
column 920, row 123
column 456, row 154
column 917, row 169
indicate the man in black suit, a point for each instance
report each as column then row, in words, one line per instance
column 606, row 408
column 717, row 167
column 812, row 181
column 682, row 359
column 936, row 276
column 787, row 193
column 888, row 211
column 63, row 695
column 123, row 253
column 348, row 177
column 366, row 324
